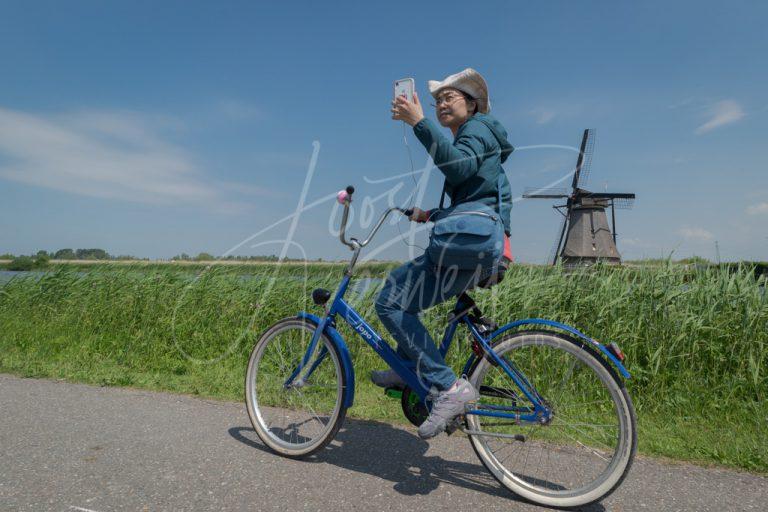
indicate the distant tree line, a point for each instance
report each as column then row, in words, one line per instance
column 204, row 256
column 81, row 254
column 40, row 260
column 70, row 254
column 86, row 254
column 42, row 257
column 101, row 254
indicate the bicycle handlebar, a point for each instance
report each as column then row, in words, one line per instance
column 345, row 197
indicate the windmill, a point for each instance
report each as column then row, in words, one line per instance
column 584, row 235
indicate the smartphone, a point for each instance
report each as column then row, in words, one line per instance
column 405, row 87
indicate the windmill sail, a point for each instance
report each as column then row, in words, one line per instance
column 545, row 193
column 584, row 161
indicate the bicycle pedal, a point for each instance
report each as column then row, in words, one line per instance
column 394, row 392
column 452, row 426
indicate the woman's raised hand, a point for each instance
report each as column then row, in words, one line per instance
column 419, row 215
column 404, row 110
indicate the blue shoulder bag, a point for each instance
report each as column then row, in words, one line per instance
column 467, row 236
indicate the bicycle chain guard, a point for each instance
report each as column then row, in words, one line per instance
column 413, row 408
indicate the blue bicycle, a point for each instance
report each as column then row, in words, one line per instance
column 553, row 424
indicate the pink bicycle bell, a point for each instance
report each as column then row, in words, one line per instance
column 345, row 196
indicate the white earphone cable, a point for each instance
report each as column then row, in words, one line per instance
column 415, row 186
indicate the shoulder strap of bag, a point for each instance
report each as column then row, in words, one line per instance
column 442, row 196
column 498, row 188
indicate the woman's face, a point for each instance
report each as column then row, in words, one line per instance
column 452, row 107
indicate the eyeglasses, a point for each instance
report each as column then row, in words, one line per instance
column 447, row 99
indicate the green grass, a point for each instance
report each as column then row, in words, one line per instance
column 695, row 338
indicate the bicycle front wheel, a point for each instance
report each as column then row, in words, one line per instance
column 584, row 452
column 296, row 409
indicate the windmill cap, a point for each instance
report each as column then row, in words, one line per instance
column 468, row 81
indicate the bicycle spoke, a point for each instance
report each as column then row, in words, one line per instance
column 572, row 405
column 586, row 447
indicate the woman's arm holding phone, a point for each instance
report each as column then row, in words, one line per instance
column 457, row 160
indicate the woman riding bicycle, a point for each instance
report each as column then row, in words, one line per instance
column 471, row 164
column 543, row 404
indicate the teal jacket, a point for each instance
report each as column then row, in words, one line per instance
column 472, row 162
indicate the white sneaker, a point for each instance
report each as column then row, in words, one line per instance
column 447, row 406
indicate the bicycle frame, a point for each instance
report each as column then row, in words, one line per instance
column 536, row 411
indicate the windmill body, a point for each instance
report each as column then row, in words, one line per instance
column 585, row 236
column 589, row 238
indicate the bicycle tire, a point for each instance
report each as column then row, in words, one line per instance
column 256, row 410
column 522, row 485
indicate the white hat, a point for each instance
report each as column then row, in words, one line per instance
column 468, row 81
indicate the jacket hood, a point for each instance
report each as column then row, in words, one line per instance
column 498, row 131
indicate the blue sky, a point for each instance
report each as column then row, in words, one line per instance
column 155, row 128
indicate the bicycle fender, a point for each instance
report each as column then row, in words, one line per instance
column 551, row 323
column 346, row 359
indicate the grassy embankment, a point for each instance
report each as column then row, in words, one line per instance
column 695, row 339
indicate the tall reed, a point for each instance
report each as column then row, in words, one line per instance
column 695, row 338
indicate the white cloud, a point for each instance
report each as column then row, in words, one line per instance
column 113, row 155
column 685, row 102
column 238, row 110
column 722, row 113
column 557, row 109
column 636, row 244
column 544, row 116
column 121, row 126
column 695, row 234
column 757, row 209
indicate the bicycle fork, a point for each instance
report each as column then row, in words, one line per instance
column 294, row 381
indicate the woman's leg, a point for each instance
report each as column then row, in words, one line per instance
column 409, row 289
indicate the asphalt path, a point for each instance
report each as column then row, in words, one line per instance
column 69, row 447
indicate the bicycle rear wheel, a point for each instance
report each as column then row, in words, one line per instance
column 294, row 413
column 585, row 451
